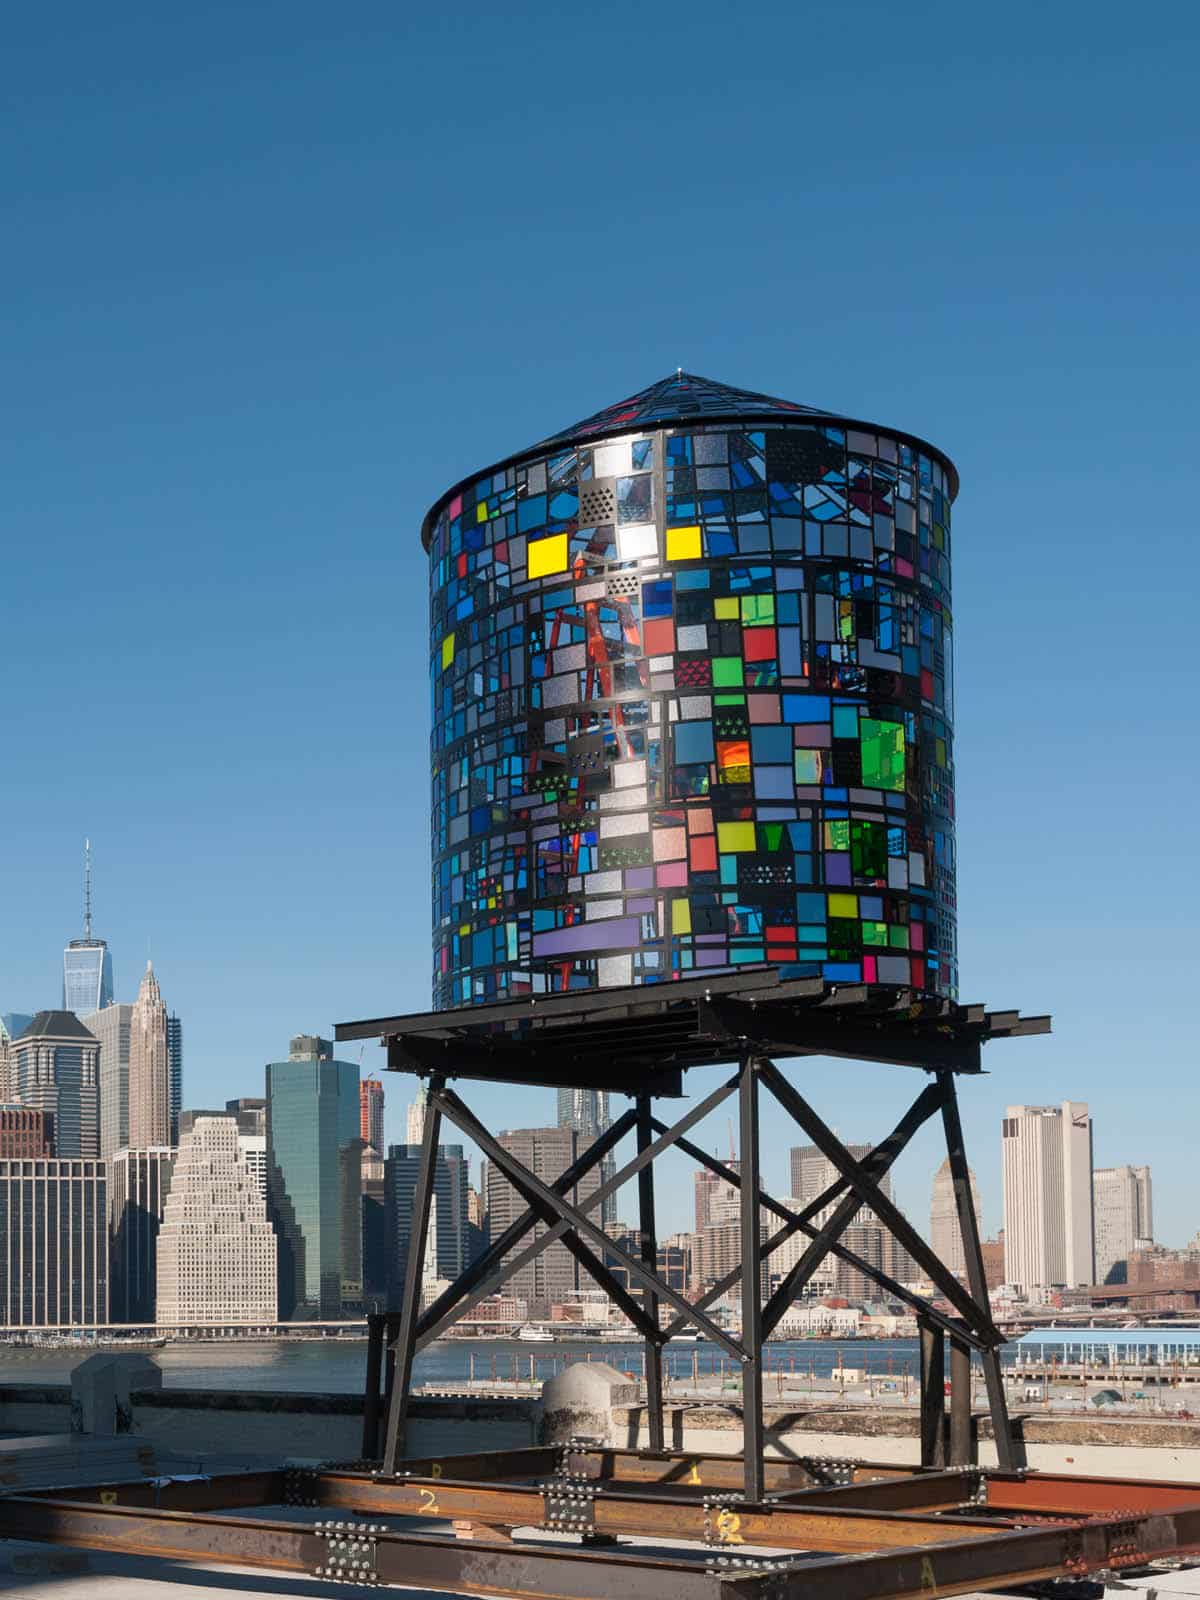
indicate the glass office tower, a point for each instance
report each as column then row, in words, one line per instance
column 692, row 703
column 314, row 1181
column 87, row 976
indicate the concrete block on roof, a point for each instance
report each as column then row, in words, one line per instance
column 100, row 1386
column 580, row 1402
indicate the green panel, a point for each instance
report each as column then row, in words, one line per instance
column 882, row 745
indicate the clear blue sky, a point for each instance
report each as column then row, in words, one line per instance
column 274, row 275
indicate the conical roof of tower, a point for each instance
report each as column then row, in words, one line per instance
column 683, row 397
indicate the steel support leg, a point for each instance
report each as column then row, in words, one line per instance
column 933, row 1396
column 649, row 1251
column 1009, row 1454
column 370, row 1433
column 960, row 1403
column 410, row 1306
column 752, row 1344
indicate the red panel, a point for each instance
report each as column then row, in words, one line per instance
column 658, row 636
column 759, row 644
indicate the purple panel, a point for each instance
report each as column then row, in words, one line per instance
column 611, row 933
column 837, row 866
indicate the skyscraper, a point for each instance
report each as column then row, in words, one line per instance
column 1123, row 1209
column 450, row 1190
column 370, row 1113
column 138, row 1184
column 314, row 1180
column 54, row 1269
column 111, row 1027
column 415, row 1118
column 547, row 1152
column 1047, row 1158
column 175, row 1070
column 945, row 1234
column 87, row 964
column 585, row 1110
column 56, row 1068
column 216, row 1248
column 149, row 1068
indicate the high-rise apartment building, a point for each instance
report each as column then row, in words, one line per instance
column 710, row 1189
column 370, row 1114
column 314, row 1179
column 812, row 1173
column 1123, row 1214
column 111, row 1027
column 56, row 1067
column 450, row 1190
column 175, row 1072
column 138, row 1184
column 26, row 1134
column 216, row 1247
column 149, row 1067
column 1047, row 1159
column 87, row 964
column 53, row 1244
column 945, row 1233
column 553, row 1275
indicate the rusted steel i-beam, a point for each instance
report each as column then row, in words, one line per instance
column 954, row 1566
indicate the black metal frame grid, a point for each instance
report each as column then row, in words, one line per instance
column 641, row 1038
column 638, row 1042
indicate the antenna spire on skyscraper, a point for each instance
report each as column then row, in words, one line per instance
column 87, row 888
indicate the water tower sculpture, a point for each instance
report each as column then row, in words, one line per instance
column 693, row 805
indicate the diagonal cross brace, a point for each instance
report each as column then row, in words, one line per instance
column 465, row 1291
column 875, row 1165
column 831, row 1147
column 488, row 1272
column 572, row 1217
column 951, row 1325
column 586, row 1258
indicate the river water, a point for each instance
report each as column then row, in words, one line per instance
column 336, row 1366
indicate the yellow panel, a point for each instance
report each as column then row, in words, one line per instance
column 548, row 555
column 725, row 609
column 447, row 650
column 683, row 544
column 681, row 916
column 481, row 511
column 735, row 837
column 843, row 905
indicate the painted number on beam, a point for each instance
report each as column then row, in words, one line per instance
column 428, row 1502
column 728, row 1523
